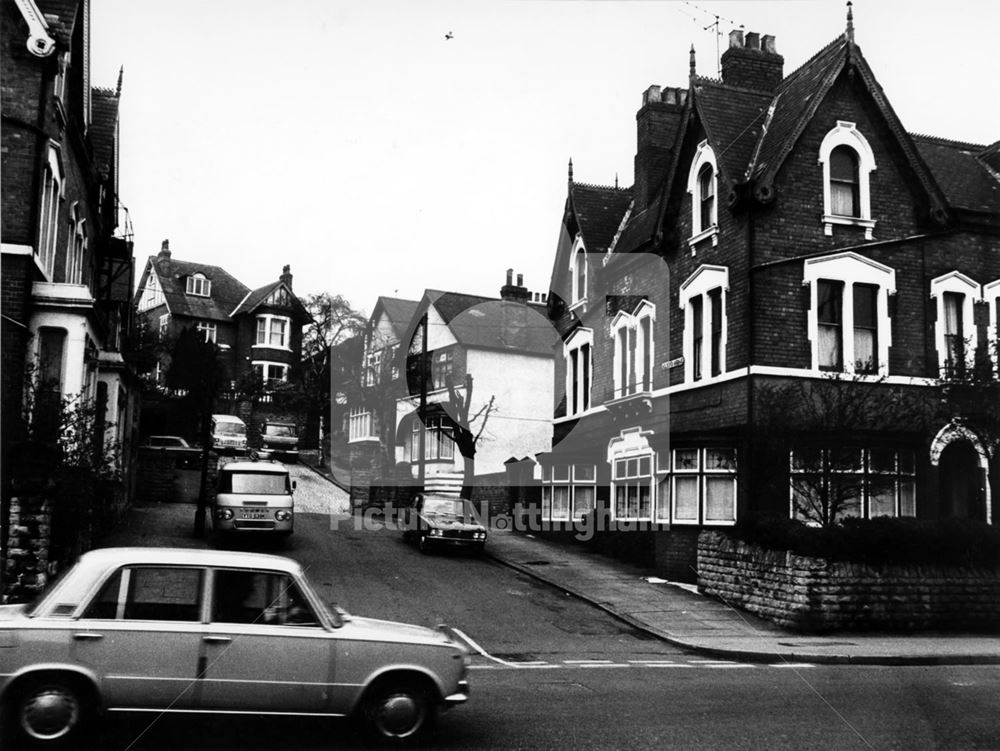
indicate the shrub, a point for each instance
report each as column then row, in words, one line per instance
column 880, row 541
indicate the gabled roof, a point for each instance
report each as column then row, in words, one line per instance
column 398, row 312
column 733, row 119
column 963, row 171
column 450, row 304
column 255, row 298
column 599, row 210
column 226, row 292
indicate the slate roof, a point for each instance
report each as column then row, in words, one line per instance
column 733, row 119
column 962, row 172
column 104, row 122
column 505, row 325
column 451, row 304
column 599, row 210
column 60, row 15
column 399, row 312
column 227, row 292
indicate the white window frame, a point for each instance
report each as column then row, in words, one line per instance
column 264, row 365
column 702, row 473
column 53, row 191
column 846, row 134
column 576, row 342
column 991, row 293
column 705, row 155
column 199, row 285
column 637, row 478
column 959, row 283
column 622, row 323
column 269, row 320
column 570, row 478
column 850, row 268
column 360, row 425
column 164, row 325
column 704, row 280
column 76, row 243
column 578, row 255
column 631, row 324
column 208, row 330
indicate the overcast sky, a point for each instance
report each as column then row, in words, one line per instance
column 355, row 142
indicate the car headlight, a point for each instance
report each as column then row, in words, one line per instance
column 224, row 514
column 282, row 515
column 435, row 533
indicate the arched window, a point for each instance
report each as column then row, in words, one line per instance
column 847, row 160
column 578, row 270
column 703, row 185
column 702, row 297
column 844, row 182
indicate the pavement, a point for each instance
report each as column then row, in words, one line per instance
column 674, row 612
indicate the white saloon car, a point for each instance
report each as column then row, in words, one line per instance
column 177, row 630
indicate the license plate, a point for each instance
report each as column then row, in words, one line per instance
column 253, row 515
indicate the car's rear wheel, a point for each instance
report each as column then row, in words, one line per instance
column 398, row 711
column 51, row 712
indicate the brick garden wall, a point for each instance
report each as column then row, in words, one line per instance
column 812, row 594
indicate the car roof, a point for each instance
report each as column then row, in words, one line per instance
column 226, row 418
column 272, row 467
column 102, row 557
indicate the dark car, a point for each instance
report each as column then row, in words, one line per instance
column 279, row 440
column 439, row 521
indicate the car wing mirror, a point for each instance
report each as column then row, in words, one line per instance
column 294, row 485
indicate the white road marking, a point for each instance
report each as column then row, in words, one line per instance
column 794, row 665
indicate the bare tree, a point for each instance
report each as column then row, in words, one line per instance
column 807, row 436
column 467, row 429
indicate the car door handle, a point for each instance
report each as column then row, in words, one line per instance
column 87, row 636
column 217, row 639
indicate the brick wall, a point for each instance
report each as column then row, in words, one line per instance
column 811, row 594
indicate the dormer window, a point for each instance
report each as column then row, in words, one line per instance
column 847, row 160
column 703, row 185
column 199, row 284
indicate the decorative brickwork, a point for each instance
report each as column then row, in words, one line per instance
column 812, row 594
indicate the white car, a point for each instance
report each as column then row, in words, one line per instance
column 179, row 630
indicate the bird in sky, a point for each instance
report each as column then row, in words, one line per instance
column 449, row 35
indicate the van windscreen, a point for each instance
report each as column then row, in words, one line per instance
column 230, row 428
column 261, row 483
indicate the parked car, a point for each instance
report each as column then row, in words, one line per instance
column 229, row 434
column 254, row 496
column 181, row 630
column 279, row 440
column 166, row 441
column 443, row 521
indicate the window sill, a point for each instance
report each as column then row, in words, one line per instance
column 579, row 304
column 848, row 221
column 712, row 232
column 283, row 348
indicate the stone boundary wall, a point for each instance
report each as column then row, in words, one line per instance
column 813, row 594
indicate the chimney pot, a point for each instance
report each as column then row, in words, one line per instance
column 510, row 276
column 652, row 94
column 768, row 45
column 753, row 40
column 164, row 249
column 520, row 280
column 736, row 38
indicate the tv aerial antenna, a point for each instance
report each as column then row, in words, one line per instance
column 715, row 24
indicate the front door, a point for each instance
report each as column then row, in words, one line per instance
column 142, row 635
column 266, row 649
column 963, row 482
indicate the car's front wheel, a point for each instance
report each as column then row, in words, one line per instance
column 398, row 711
column 51, row 712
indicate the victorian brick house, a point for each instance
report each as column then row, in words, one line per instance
column 67, row 276
column 791, row 271
column 505, row 345
column 258, row 332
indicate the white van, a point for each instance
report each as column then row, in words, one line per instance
column 229, row 434
column 254, row 497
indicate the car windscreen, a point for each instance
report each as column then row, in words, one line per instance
column 230, row 428
column 260, row 483
column 280, row 430
column 450, row 507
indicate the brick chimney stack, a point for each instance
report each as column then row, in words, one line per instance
column 657, row 121
column 286, row 276
column 514, row 292
column 752, row 62
column 164, row 250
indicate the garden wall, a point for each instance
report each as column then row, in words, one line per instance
column 813, row 594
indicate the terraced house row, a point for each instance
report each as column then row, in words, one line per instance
column 793, row 310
